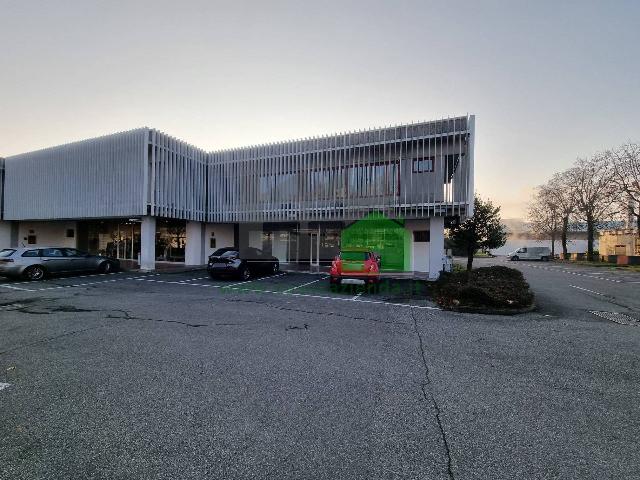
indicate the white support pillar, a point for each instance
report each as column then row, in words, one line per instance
column 194, row 249
column 148, row 243
column 436, row 246
column 5, row 235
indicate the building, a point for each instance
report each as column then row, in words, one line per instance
column 147, row 197
column 623, row 242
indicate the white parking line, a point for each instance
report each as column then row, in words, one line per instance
column 255, row 280
column 17, row 288
column 587, row 290
column 4, row 385
column 305, row 284
column 236, row 287
column 570, row 272
column 355, row 297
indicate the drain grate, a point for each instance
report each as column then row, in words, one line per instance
column 617, row 317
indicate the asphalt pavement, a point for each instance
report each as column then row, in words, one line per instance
column 180, row 376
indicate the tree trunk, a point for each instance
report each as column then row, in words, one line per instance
column 565, row 229
column 553, row 245
column 470, row 252
column 638, row 222
column 590, row 237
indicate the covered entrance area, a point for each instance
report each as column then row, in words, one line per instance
column 305, row 246
column 122, row 239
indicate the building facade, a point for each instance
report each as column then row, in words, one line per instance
column 147, row 197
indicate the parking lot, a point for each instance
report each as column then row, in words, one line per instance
column 175, row 375
column 399, row 292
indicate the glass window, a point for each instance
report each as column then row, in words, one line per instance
column 353, row 256
column 72, row 252
column 52, row 252
column 423, row 164
column 31, row 253
column 6, row 252
column 31, row 239
column 222, row 252
column 421, row 236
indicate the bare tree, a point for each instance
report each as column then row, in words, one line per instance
column 594, row 193
column 560, row 190
column 545, row 214
column 624, row 162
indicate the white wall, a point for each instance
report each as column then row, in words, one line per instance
column 419, row 251
column 427, row 256
column 48, row 233
column 5, row 235
column 223, row 233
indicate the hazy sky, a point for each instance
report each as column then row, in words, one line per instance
column 548, row 81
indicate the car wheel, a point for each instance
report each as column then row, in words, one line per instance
column 334, row 281
column 245, row 273
column 105, row 267
column 35, row 273
column 515, row 258
column 275, row 268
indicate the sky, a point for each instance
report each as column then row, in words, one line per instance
column 547, row 81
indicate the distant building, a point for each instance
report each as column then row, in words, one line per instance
column 619, row 242
column 147, row 197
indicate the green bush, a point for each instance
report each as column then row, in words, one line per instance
column 495, row 287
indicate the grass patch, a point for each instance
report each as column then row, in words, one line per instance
column 487, row 289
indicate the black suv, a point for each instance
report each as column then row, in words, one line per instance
column 247, row 262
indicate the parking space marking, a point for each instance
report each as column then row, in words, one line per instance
column 255, row 280
column 587, row 290
column 72, row 285
column 4, row 385
column 239, row 288
column 305, row 284
column 578, row 274
column 342, row 299
column 62, row 278
column 17, row 288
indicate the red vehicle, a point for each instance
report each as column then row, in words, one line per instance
column 355, row 264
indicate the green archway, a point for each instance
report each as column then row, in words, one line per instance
column 384, row 236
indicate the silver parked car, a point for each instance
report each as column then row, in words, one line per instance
column 35, row 263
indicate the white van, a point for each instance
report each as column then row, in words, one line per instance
column 531, row 253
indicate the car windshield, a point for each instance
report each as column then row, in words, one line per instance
column 222, row 252
column 7, row 252
column 353, row 256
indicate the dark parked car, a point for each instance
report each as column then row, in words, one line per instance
column 35, row 263
column 242, row 264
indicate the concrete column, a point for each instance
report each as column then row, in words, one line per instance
column 194, row 249
column 436, row 246
column 148, row 243
column 5, row 235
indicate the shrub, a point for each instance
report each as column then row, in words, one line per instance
column 494, row 287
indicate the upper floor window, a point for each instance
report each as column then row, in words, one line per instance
column 423, row 164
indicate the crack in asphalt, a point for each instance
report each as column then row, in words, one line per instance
column 128, row 316
column 50, row 339
column 428, row 395
column 312, row 312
